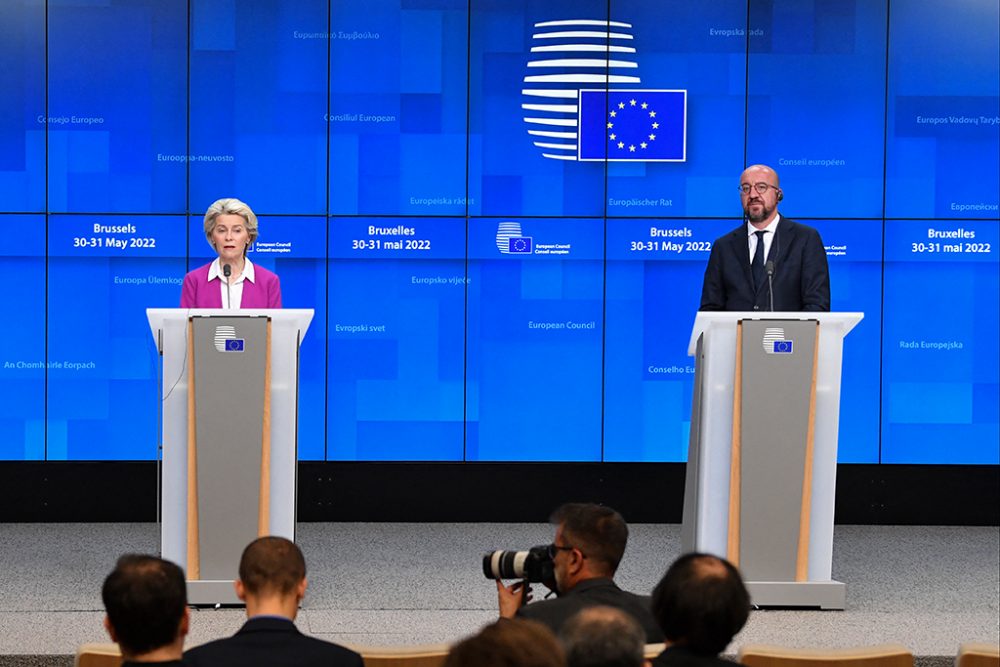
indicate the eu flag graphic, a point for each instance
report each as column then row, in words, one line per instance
column 519, row 245
column 633, row 125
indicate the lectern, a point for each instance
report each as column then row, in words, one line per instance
column 762, row 459
column 229, row 397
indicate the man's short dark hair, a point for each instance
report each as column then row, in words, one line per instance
column 599, row 532
column 508, row 643
column 145, row 598
column 603, row 637
column 701, row 603
column 272, row 565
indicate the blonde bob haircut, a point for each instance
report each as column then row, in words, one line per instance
column 230, row 206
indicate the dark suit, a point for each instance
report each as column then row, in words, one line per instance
column 268, row 640
column 801, row 274
column 591, row 593
column 678, row 656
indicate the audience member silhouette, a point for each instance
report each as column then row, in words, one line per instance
column 587, row 548
column 700, row 603
column 145, row 598
column 272, row 583
column 508, row 643
column 603, row 637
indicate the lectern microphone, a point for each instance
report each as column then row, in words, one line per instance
column 769, row 270
column 228, row 271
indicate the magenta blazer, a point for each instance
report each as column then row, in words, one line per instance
column 197, row 292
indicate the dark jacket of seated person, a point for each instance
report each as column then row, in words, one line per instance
column 679, row 656
column 271, row 640
column 591, row 593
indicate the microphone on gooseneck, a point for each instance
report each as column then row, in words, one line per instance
column 227, row 271
column 769, row 270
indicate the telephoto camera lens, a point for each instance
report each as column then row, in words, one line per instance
column 535, row 565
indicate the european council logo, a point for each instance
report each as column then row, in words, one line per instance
column 510, row 240
column 226, row 340
column 774, row 341
column 571, row 120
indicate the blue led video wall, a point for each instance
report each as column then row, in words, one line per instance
column 500, row 211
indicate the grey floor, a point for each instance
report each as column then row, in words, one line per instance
column 929, row 588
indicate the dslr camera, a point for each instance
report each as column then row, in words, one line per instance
column 534, row 565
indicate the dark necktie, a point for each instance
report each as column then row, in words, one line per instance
column 757, row 266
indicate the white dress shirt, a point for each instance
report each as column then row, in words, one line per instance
column 769, row 231
column 235, row 291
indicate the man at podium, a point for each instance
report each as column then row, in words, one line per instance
column 769, row 263
column 231, row 280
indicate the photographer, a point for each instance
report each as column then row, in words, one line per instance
column 588, row 546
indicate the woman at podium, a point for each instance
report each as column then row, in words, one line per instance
column 231, row 280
